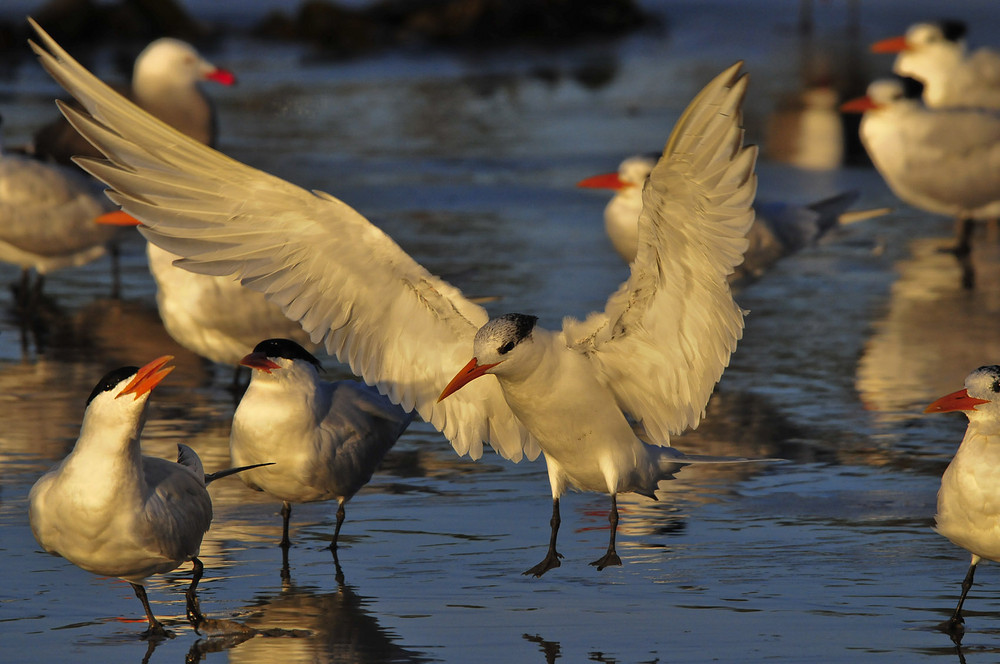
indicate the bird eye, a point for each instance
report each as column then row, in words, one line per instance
column 506, row 348
column 995, row 387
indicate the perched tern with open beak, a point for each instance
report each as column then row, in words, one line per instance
column 112, row 511
column 942, row 161
column 935, row 54
column 325, row 438
column 652, row 356
column 968, row 504
column 779, row 229
column 166, row 80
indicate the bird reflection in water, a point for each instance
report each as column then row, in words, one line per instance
column 307, row 624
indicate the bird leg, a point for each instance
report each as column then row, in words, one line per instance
column 611, row 557
column 963, row 252
column 552, row 557
column 156, row 629
column 286, row 513
column 340, row 521
column 956, row 624
column 194, row 614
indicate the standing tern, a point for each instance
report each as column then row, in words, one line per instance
column 112, row 511
column 934, row 53
column 779, row 229
column 651, row 358
column 943, row 161
column 47, row 215
column 325, row 438
column 968, row 504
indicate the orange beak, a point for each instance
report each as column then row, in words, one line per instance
column 469, row 373
column 148, row 377
column 955, row 401
column 259, row 361
column 223, row 76
column 890, row 45
column 858, row 105
column 116, row 218
column 604, row 181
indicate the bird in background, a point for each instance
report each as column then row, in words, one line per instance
column 779, row 229
column 651, row 358
column 47, row 215
column 935, row 54
column 968, row 502
column 215, row 317
column 166, row 81
column 110, row 510
column 50, row 207
column 943, row 161
column 326, row 439
column 211, row 316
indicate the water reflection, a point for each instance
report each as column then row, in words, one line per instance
column 310, row 624
column 934, row 331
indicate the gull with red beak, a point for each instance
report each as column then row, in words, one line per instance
column 166, row 81
column 968, row 504
column 110, row 510
column 935, row 54
column 650, row 359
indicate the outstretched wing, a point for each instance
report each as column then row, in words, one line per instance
column 666, row 335
column 344, row 280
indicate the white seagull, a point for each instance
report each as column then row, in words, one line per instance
column 214, row 317
column 943, row 161
column 935, row 54
column 114, row 512
column 166, row 81
column 325, row 438
column 651, row 358
column 779, row 229
column 968, row 504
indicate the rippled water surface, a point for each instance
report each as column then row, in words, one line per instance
column 469, row 162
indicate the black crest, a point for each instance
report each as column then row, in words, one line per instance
column 953, row 29
column 520, row 325
column 287, row 349
column 111, row 379
column 994, row 372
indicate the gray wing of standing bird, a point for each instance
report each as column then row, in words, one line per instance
column 651, row 357
column 326, row 439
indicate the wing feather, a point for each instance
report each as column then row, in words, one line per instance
column 346, row 282
column 666, row 335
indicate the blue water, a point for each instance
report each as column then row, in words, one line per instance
column 469, row 162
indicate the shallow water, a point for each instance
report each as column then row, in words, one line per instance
column 469, row 162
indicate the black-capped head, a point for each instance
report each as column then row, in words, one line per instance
column 111, row 380
column 287, row 349
column 953, row 29
column 502, row 335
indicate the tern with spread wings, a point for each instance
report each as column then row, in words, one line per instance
column 651, row 359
